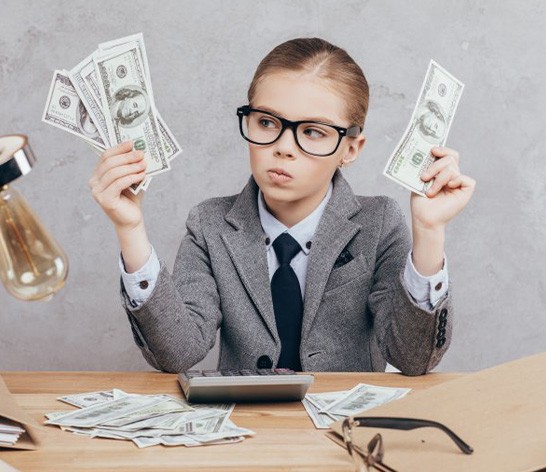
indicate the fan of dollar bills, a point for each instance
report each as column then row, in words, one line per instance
column 148, row 420
column 108, row 99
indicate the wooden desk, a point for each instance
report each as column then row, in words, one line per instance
column 285, row 440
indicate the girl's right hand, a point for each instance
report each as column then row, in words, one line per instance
column 119, row 168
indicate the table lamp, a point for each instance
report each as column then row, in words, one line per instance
column 32, row 264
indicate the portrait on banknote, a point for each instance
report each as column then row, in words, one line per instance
column 431, row 122
column 84, row 122
column 130, row 106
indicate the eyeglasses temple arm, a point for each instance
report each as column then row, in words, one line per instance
column 407, row 424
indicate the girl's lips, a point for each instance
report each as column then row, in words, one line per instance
column 278, row 176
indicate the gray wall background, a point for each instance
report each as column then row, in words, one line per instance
column 202, row 56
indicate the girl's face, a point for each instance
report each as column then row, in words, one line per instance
column 298, row 96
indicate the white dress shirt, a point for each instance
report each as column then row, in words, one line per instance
column 426, row 291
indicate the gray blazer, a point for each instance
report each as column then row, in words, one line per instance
column 357, row 313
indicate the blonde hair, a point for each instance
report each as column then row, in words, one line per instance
column 325, row 60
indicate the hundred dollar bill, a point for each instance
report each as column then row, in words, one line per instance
column 230, row 440
column 146, row 442
column 97, row 414
column 127, row 99
column 322, row 400
column 320, row 420
column 81, row 77
column 83, row 400
column 66, row 111
column 170, row 145
column 364, row 397
column 428, row 127
column 137, row 39
column 169, row 405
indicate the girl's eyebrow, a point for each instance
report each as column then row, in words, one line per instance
column 322, row 119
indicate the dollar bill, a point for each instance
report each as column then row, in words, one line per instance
column 83, row 400
column 127, row 99
column 170, row 145
column 320, row 420
column 168, row 141
column 230, row 440
column 150, row 413
column 364, row 397
column 87, row 90
column 146, row 442
column 65, row 110
column 323, row 400
column 428, row 127
column 103, row 412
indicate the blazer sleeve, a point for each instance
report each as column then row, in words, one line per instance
column 410, row 338
column 176, row 326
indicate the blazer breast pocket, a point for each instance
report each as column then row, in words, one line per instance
column 345, row 273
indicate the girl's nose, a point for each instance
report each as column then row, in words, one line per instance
column 286, row 145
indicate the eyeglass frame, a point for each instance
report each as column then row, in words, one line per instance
column 405, row 424
column 350, row 132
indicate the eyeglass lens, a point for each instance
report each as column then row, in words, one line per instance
column 313, row 138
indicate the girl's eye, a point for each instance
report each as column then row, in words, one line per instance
column 314, row 133
column 267, row 122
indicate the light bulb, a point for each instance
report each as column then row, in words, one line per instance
column 32, row 265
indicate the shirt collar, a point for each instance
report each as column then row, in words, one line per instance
column 302, row 232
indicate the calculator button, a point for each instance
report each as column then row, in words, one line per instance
column 193, row 373
column 247, row 372
column 212, row 373
column 284, row 371
column 265, row 372
column 228, row 373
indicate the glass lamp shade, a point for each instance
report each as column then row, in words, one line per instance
column 32, row 264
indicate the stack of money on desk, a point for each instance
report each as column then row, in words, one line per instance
column 108, row 99
column 148, row 420
column 326, row 408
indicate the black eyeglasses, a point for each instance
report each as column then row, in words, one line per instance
column 372, row 458
column 312, row 137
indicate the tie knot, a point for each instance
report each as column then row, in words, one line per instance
column 286, row 247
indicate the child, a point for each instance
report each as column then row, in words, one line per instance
column 296, row 271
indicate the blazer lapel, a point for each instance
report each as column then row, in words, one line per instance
column 334, row 232
column 246, row 247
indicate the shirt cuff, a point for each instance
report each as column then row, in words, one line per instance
column 427, row 291
column 140, row 284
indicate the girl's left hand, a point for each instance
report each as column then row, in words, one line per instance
column 448, row 195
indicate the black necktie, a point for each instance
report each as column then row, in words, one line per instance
column 287, row 302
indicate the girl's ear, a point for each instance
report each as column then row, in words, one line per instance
column 355, row 146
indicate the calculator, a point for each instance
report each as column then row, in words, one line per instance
column 246, row 385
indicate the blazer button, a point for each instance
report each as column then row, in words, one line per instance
column 441, row 342
column 143, row 284
column 441, row 333
column 264, row 362
column 442, row 323
column 443, row 314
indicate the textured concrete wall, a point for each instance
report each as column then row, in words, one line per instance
column 202, row 56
